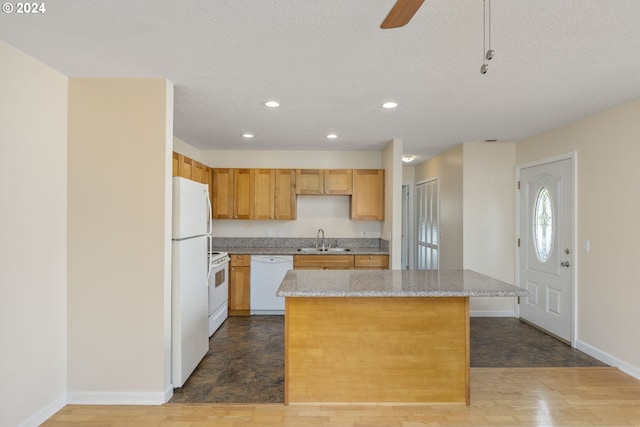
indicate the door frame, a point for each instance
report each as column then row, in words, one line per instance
column 573, row 157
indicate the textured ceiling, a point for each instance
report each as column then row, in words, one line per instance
column 331, row 67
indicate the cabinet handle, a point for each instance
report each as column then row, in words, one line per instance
column 370, row 257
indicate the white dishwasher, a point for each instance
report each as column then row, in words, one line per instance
column 267, row 272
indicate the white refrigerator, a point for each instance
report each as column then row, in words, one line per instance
column 191, row 224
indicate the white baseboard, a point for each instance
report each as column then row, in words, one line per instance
column 609, row 359
column 118, row 398
column 45, row 413
column 492, row 313
column 168, row 394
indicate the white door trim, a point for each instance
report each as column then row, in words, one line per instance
column 573, row 156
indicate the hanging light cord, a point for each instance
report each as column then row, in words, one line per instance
column 489, row 35
column 485, row 67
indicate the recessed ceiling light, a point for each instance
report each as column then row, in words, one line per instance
column 332, row 136
column 247, row 135
column 408, row 158
column 389, row 105
column 272, row 104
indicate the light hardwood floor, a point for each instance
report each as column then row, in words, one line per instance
column 499, row 397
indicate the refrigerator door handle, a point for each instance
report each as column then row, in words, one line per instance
column 209, row 213
column 209, row 231
column 209, row 269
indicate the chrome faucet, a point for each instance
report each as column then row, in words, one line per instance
column 320, row 238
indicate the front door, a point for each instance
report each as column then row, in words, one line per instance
column 546, row 246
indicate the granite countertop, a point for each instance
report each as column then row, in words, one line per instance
column 394, row 283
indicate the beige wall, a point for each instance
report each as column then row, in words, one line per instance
column 179, row 146
column 120, row 134
column 447, row 167
column 489, row 219
column 608, row 148
column 291, row 159
column 33, row 258
column 392, row 229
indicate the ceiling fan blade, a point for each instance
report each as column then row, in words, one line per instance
column 401, row 13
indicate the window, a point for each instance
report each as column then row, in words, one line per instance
column 543, row 228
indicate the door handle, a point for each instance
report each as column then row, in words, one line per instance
column 565, row 264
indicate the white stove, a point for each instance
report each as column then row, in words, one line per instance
column 218, row 289
column 216, row 258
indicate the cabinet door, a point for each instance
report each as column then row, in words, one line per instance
column 239, row 296
column 309, row 181
column 371, row 262
column 367, row 202
column 322, row 262
column 264, row 194
column 285, row 194
column 240, row 260
column 197, row 172
column 185, row 167
column 222, row 193
column 243, row 194
column 338, row 181
column 176, row 164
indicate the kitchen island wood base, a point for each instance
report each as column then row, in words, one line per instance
column 380, row 350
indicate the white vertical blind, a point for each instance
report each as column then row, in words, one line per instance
column 428, row 225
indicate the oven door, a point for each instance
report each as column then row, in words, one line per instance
column 218, row 286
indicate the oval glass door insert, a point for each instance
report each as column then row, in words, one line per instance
column 543, row 228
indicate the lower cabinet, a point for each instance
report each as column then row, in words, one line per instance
column 239, row 286
column 371, row 262
column 322, row 262
column 240, row 273
column 341, row 262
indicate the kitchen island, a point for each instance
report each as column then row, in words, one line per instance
column 387, row 336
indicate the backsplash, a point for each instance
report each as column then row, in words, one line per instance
column 297, row 242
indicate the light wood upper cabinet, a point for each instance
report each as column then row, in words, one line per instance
column 309, row 181
column 264, row 194
column 197, row 172
column 185, row 167
column 271, row 193
column 233, row 193
column 367, row 202
column 285, row 194
column 275, row 196
column 175, row 170
column 254, row 193
column 243, row 193
column 324, row 181
column 222, row 191
column 338, row 181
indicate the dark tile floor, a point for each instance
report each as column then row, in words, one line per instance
column 506, row 342
column 245, row 360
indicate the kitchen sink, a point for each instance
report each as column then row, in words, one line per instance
column 323, row 250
